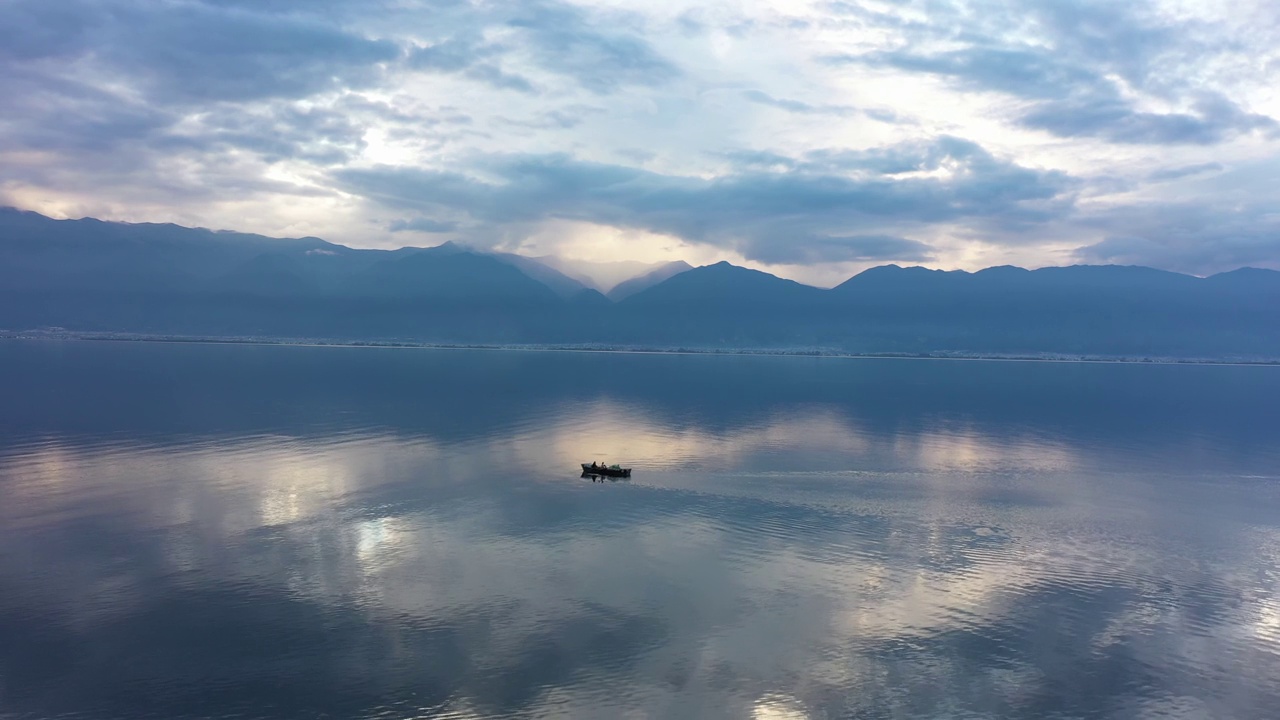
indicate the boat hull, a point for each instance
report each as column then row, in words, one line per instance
column 588, row 469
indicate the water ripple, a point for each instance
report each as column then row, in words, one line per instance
column 307, row 550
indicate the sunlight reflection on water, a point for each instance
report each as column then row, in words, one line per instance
column 809, row 550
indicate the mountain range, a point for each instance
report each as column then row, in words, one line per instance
column 90, row 275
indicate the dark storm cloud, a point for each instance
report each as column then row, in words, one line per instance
column 1072, row 75
column 806, row 215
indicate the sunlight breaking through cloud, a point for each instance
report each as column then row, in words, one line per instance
column 797, row 137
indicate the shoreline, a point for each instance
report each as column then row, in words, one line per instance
column 632, row 350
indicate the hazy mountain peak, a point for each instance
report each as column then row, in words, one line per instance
column 726, row 269
column 90, row 275
column 590, row 297
column 1249, row 271
column 448, row 247
column 560, row 283
column 638, row 284
column 892, row 275
column 1003, row 270
column 603, row 276
column 895, row 269
column 725, row 283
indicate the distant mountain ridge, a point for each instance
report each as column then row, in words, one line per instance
column 627, row 288
column 153, row 278
column 560, row 283
column 603, row 276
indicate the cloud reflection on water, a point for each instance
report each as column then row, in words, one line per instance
column 803, row 560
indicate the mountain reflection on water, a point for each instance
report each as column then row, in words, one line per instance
column 218, row 531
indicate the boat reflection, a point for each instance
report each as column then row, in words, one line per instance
column 776, row 558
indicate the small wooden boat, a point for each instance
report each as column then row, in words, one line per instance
column 606, row 470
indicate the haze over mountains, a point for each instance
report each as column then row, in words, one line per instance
column 88, row 275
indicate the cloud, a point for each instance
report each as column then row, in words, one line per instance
column 563, row 38
column 66, row 115
column 451, row 55
column 1024, row 71
column 1071, row 100
column 497, row 78
column 815, row 249
column 1192, row 237
column 564, row 118
column 1215, row 120
column 1220, row 218
column 425, row 225
column 795, row 106
column 948, row 131
column 560, row 39
column 321, row 135
column 552, row 37
column 1185, row 171
column 761, row 160
column 195, row 52
column 1084, row 73
column 809, row 215
column 117, row 87
column 470, row 58
column 1204, row 253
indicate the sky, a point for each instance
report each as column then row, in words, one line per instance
column 808, row 139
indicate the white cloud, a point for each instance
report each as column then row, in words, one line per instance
column 248, row 115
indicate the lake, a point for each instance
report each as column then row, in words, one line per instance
column 305, row 532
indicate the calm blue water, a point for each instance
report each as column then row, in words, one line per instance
column 250, row 532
